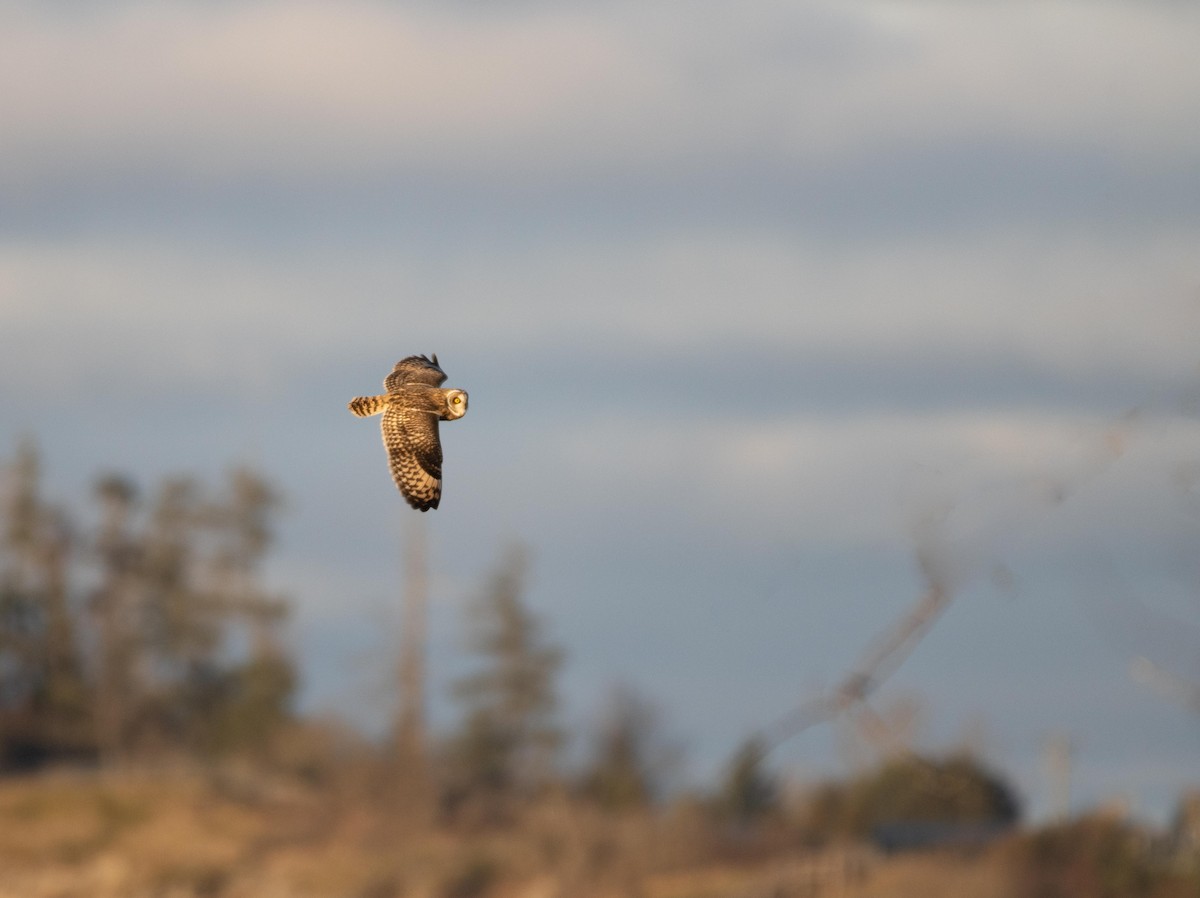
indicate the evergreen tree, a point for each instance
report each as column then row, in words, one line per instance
column 631, row 761
column 44, row 698
column 200, row 597
column 182, row 652
column 508, row 744
column 749, row 792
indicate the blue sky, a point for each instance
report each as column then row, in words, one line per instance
column 754, row 302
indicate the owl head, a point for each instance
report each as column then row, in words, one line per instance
column 456, row 404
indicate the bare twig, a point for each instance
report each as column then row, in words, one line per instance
column 880, row 661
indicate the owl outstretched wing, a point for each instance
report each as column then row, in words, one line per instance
column 416, row 369
column 414, row 454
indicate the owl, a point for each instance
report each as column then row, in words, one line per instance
column 412, row 407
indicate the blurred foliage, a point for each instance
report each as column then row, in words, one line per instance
column 1098, row 856
column 145, row 633
column 749, row 792
column 1184, row 837
column 630, row 760
column 506, row 749
column 910, row 789
column 138, row 629
column 44, row 696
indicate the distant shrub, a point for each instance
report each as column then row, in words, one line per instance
column 1096, row 857
column 953, row 790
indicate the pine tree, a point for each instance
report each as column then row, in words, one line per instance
column 631, row 760
column 44, row 701
column 507, row 748
column 179, row 585
column 749, row 792
column 182, row 650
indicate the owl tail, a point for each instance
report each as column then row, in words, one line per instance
column 365, row 406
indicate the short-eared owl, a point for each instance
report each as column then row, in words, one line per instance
column 412, row 407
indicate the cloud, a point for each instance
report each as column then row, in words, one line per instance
column 972, row 488
column 157, row 313
column 145, row 319
column 296, row 91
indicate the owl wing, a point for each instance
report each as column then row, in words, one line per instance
column 414, row 455
column 416, row 369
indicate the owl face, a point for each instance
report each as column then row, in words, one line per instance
column 456, row 404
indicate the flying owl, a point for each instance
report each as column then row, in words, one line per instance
column 412, row 407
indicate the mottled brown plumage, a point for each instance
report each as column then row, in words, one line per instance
column 412, row 407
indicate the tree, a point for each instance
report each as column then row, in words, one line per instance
column 112, row 605
column 911, row 789
column 44, row 699
column 181, row 651
column 254, row 692
column 192, row 592
column 508, row 744
column 749, row 792
column 1098, row 855
column 630, row 760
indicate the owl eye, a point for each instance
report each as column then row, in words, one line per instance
column 457, row 400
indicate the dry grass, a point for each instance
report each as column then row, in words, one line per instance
column 937, row 876
column 194, row 834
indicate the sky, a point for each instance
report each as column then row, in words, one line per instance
column 768, row 312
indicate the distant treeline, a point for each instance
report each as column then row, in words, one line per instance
column 137, row 626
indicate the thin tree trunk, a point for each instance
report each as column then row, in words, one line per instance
column 414, row 789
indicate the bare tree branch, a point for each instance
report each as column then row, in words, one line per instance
column 880, row 661
column 1165, row 683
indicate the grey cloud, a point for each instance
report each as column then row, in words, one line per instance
column 983, row 319
column 211, row 93
column 880, row 192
